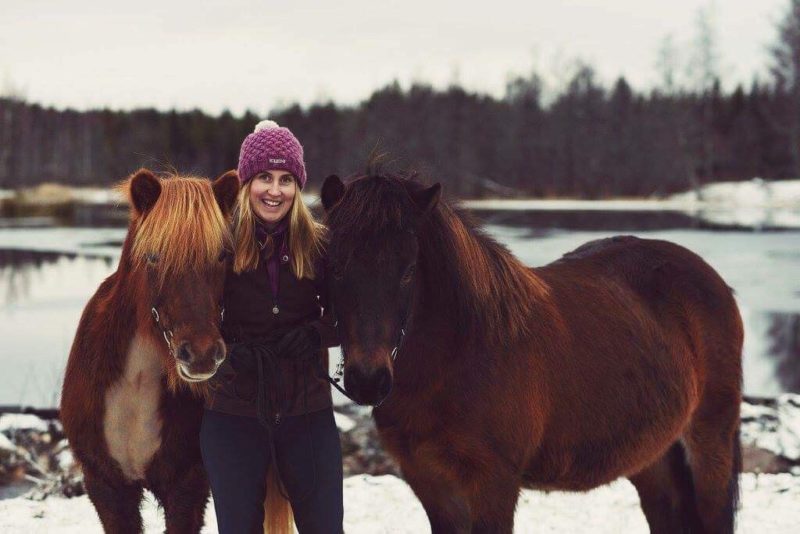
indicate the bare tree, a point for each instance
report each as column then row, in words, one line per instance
column 667, row 65
column 704, row 73
column 785, row 71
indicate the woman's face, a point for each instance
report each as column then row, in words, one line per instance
column 272, row 194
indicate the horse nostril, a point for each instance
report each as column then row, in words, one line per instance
column 352, row 380
column 383, row 383
column 184, row 353
column 218, row 354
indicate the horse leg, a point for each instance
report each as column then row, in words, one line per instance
column 184, row 499
column 666, row 494
column 117, row 505
column 444, row 503
column 715, row 461
column 494, row 503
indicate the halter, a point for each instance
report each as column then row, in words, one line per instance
column 167, row 332
column 339, row 373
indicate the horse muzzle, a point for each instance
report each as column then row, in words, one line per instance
column 196, row 364
column 368, row 386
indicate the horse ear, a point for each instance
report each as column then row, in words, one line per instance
column 145, row 189
column 226, row 189
column 332, row 191
column 426, row 199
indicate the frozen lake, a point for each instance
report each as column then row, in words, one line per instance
column 47, row 275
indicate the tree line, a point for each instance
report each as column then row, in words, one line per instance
column 587, row 141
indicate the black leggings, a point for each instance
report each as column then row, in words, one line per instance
column 236, row 454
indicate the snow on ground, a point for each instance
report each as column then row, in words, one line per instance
column 755, row 193
column 97, row 195
column 774, row 429
column 17, row 421
column 86, row 241
column 770, row 505
column 514, row 204
column 6, row 444
column 755, row 203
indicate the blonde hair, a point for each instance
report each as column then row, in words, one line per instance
column 306, row 236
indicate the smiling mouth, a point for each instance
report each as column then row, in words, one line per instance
column 271, row 203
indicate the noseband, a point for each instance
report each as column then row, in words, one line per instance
column 167, row 332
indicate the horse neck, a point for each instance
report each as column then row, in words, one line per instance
column 472, row 285
column 108, row 326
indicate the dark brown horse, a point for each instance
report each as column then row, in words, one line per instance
column 148, row 339
column 621, row 359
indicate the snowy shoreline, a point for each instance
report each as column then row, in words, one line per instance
column 754, row 203
column 35, row 458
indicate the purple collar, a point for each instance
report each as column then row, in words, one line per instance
column 281, row 246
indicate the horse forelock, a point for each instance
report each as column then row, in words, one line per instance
column 374, row 207
column 185, row 229
column 493, row 292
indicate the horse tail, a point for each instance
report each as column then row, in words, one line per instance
column 278, row 517
column 733, row 484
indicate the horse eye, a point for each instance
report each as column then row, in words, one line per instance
column 224, row 255
column 152, row 258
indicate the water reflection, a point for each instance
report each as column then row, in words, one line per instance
column 18, row 269
column 42, row 295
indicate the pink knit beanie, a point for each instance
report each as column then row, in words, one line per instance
column 271, row 147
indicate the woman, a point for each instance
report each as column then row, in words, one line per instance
column 267, row 404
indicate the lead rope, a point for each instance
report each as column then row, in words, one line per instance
column 265, row 419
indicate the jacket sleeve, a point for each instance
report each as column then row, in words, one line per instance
column 329, row 335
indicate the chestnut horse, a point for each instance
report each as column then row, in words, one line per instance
column 132, row 398
column 621, row 359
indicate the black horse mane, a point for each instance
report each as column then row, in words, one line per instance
column 486, row 289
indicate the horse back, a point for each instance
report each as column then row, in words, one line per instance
column 666, row 281
column 643, row 321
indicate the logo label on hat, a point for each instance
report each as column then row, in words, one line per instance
column 277, row 160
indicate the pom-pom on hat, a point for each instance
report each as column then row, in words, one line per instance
column 271, row 147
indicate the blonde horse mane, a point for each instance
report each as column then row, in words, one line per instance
column 185, row 229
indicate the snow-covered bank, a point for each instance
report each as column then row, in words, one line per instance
column 105, row 242
column 752, row 193
column 773, row 427
column 560, row 204
column 50, row 194
column 752, row 204
column 386, row 504
column 755, row 203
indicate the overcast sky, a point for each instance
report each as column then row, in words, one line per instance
column 258, row 55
